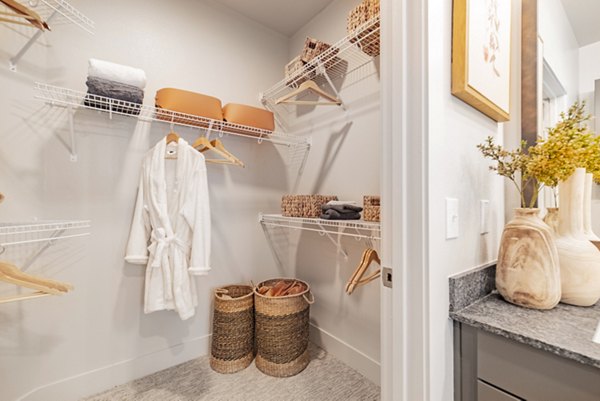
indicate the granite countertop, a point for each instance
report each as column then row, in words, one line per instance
column 566, row 330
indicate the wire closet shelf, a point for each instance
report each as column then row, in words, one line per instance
column 65, row 13
column 358, row 229
column 72, row 99
column 339, row 60
column 44, row 231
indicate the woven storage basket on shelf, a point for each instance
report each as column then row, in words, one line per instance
column 292, row 69
column 372, row 208
column 304, row 205
column 314, row 48
column 368, row 39
column 282, row 331
column 233, row 329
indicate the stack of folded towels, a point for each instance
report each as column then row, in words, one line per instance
column 122, row 83
column 341, row 210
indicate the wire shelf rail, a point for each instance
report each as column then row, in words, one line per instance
column 72, row 99
column 360, row 228
column 49, row 231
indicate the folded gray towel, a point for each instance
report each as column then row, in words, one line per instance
column 332, row 214
column 342, row 209
column 114, row 90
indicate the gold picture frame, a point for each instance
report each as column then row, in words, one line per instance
column 481, row 53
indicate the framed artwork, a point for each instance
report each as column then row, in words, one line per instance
column 481, row 49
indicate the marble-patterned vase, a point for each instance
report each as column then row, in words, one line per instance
column 527, row 273
column 587, row 211
column 579, row 258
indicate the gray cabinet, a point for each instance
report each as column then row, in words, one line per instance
column 492, row 368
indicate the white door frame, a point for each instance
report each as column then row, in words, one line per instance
column 405, row 308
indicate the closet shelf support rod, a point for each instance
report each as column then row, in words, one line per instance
column 73, row 156
column 33, row 241
column 346, row 234
column 12, row 63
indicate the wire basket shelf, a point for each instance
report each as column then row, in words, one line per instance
column 352, row 228
column 340, row 59
column 58, row 96
column 44, row 231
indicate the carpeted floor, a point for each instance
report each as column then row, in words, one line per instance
column 325, row 378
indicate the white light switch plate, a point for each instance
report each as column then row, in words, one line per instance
column 452, row 218
column 484, row 216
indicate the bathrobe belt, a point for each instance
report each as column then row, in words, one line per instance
column 163, row 241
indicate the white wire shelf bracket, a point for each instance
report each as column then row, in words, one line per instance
column 48, row 232
column 72, row 100
column 54, row 12
column 340, row 59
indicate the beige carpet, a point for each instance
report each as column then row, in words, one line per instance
column 325, row 378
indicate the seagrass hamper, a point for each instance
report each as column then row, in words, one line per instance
column 282, row 331
column 233, row 329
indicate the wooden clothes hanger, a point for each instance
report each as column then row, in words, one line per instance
column 12, row 275
column 313, row 87
column 21, row 11
column 369, row 256
column 202, row 144
column 172, row 137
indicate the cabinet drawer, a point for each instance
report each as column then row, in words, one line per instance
column 533, row 374
column 485, row 392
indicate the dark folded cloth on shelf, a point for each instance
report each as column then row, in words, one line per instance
column 115, row 90
column 331, row 214
column 342, row 209
column 113, row 96
column 117, row 106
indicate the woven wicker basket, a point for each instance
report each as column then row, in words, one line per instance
column 293, row 68
column 368, row 39
column 304, row 205
column 372, row 207
column 233, row 329
column 282, row 331
column 372, row 213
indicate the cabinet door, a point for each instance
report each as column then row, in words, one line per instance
column 485, row 392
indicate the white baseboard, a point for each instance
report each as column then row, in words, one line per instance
column 97, row 380
column 346, row 353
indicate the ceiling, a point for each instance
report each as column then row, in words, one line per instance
column 584, row 16
column 283, row 16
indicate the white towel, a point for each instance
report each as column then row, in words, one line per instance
column 117, row 73
column 340, row 203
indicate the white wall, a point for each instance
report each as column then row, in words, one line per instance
column 589, row 72
column 457, row 170
column 98, row 336
column 344, row 161
column 560, row 45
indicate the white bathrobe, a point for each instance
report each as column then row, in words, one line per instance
column 170, row 232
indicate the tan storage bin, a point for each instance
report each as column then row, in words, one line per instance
column 182, row 101
column 249, row 116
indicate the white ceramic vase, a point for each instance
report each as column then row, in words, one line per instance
column 579, row 258
column 587, row 210
column 527, row 273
